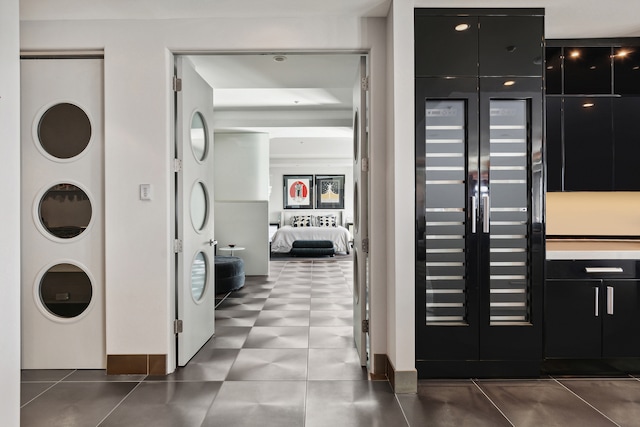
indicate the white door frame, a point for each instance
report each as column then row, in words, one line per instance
column 359, row 52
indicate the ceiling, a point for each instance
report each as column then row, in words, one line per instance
column 564, row 18
column 304, row 101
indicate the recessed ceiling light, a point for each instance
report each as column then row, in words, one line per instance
column 549, row 67
column 509, row 83
column 593, row 67
column 279, row 58
column 623, row 53
column 462, row 27
column 588, row 105
column 636, row 67
column 575, row 54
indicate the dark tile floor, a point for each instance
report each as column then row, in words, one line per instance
column 283, row 356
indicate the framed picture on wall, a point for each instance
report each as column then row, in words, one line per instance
column 298, row 191
column 329, row 191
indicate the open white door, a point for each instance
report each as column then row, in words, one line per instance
column 361, row 208
column 194, row 211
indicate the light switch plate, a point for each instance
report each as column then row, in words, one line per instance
column 145, row 192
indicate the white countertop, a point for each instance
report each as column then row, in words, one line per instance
column 592, row 249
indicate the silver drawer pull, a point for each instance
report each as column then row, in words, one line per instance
column 610, row 300
column 597, row 301
column 603, row 270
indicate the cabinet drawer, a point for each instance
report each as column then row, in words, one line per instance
column 592, row 269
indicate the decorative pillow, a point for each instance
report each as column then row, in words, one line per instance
column 326, row 221
column 302, row 221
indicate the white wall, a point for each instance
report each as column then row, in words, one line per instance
column 245, row 225
column 10, row 218
column 276, row 173
column 138, row 142
column 593, row 213
column 401, row 203
column 241, row 193
column 241, row 166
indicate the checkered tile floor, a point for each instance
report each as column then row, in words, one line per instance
column 283, row 355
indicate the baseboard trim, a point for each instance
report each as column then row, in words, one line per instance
column 402, row 382
column 379, row 367
column 136, row 364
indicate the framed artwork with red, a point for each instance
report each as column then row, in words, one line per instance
column 298, row 191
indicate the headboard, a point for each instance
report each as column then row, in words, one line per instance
column 285, row 217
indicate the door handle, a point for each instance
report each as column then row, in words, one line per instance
column 610, row 300
column 597, row 304
column 474, row 213
column 485, row 215
column 604, row 270
column 212, row 242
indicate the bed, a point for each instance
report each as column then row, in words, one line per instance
column 317, row 226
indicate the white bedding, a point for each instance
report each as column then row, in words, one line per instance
column 286, row 235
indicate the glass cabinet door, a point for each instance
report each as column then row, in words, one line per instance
column 447, row 218
column 445, row 212
column 506, row 212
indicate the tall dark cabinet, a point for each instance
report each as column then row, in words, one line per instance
column 479, row 191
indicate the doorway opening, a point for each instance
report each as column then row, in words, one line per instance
column 280, row 115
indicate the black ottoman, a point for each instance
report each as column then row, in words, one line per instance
column 229, row 273
column 312, row 248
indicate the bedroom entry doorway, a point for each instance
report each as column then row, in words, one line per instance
column 313, row 107
column 194, row 240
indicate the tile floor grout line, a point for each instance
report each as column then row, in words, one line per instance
column 589, row 404
column 492, row 402
column 120, row 403
column 406, row 420
column 55, row 383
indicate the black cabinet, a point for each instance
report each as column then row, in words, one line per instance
column 626, row 71
column 479, row 129
column 448, row 45
column 593, row 115
column 591, row 314
column 465, row 45
column 572, row 330
column 554, row 159
column 588, row 144
column 511, row 46
column 553, row 73
column 587, row 70
column 626, row 148
column 593, row 143
column 621, row 318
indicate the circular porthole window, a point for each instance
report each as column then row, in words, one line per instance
column 65, row 290
column 198, row 136
column 64, row 130
column 65, row 211
column 199, row 206
column 198, row 276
